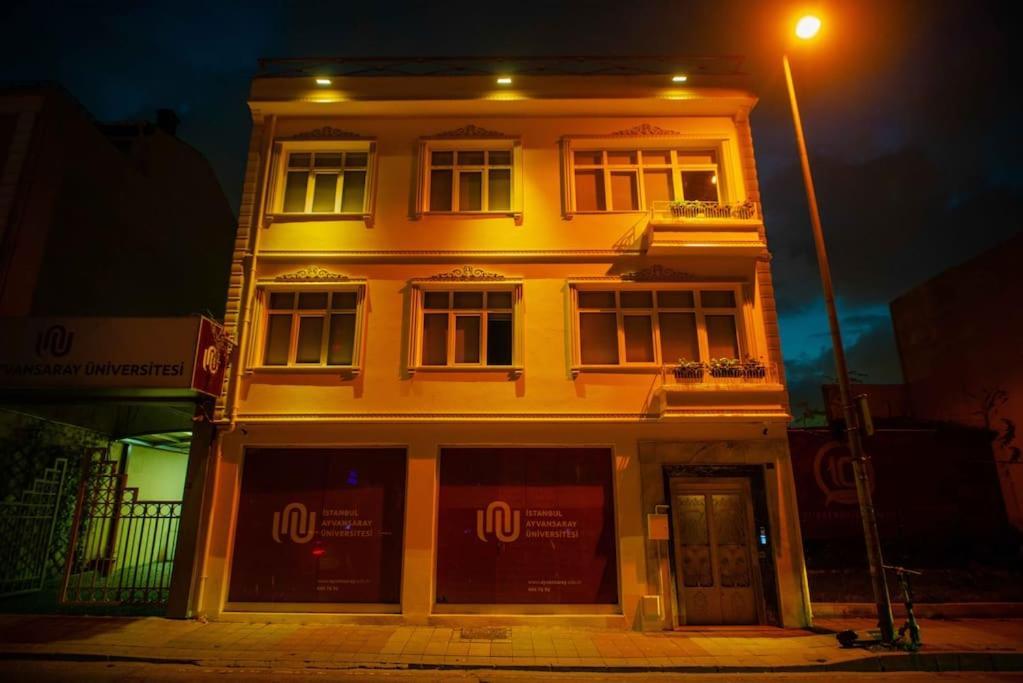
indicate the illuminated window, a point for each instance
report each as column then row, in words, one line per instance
column 478, row 177
column 633, row 179
column 330, row 178
column 458, row 328
column 655, row 326
column 311, row 328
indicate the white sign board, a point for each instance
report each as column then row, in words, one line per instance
column 119, row 353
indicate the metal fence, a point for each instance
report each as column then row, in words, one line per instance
column 679, row 211
column 122, row 548
column 709, row 374
column 26, row 531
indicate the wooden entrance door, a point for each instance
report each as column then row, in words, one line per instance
column 715, row 560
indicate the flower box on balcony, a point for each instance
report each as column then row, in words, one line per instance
column 733, row 368
column 689, row 371
column 700, row 209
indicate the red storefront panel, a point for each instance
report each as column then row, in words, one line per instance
column 929, row 487
column 526, row 526
column 320, row 525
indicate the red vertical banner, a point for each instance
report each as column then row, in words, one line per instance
column 212, row 354
column 320, row 525
column 526, row 526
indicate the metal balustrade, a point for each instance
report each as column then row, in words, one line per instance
column 122, row 548
column 707, row 375
column 679, row 211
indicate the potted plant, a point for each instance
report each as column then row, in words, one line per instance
column 725, row 367
column 754, row 368
column 688, row 369
column 745, row 210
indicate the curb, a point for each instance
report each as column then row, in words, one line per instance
column 923, row 610
column 928, row 662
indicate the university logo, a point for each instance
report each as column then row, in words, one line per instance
column 55, row 341
column 211, row 359
column 833, row 470
column 295, row 521
column 498, row 519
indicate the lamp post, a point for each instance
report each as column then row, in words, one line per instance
column 807, row 28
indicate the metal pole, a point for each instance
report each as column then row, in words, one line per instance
column 852, row 427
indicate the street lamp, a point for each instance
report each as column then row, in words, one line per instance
column 806, row 28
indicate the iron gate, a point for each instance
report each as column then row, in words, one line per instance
column 122, row 548
column 26, row 531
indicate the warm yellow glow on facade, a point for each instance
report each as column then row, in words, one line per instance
column 808, row 27
column 541, row 248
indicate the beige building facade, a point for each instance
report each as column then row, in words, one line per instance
column 507, row 351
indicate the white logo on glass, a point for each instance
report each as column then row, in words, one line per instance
column 295, row 521
column 498, row 519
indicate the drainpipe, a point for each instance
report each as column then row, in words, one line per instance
column 249, row 275
column 244, row 326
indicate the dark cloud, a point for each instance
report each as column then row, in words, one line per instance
column 889, row 223
column 870, row 358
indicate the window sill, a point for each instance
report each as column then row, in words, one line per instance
column 517, row 215
column 569, row 214
column 513, row 371
column 314, row 217
column 345, row 371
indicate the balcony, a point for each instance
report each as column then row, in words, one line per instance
column 722, row 389
column 678, row 228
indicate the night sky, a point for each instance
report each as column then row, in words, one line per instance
column 911, row 111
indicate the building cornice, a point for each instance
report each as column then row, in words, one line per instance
column 473, row 256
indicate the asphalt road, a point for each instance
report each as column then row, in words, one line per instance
column 89, row 672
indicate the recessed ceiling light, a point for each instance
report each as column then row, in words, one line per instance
column 504, row 80
column 679, row 79
column 322, row 81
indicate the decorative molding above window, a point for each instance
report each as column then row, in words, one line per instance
column 326, row 133
column 467, row 274
column 311, row 274
column 468, row 131
column 643, row 129
column 658, row 273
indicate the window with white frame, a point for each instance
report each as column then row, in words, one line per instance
column 329, row 178
column 632, row 179
column 311, row 328
column 655, row 325
column 466, row 328
column 471, row 177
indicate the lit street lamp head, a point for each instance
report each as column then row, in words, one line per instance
column 808, row 27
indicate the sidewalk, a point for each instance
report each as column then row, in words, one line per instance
column 968, row 644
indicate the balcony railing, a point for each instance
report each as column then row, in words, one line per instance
column 729, row 374
column 678, row 212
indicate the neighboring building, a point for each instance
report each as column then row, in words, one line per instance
column 114, row 239
column 459, row 304
column 960, row 338
column 937, row 498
